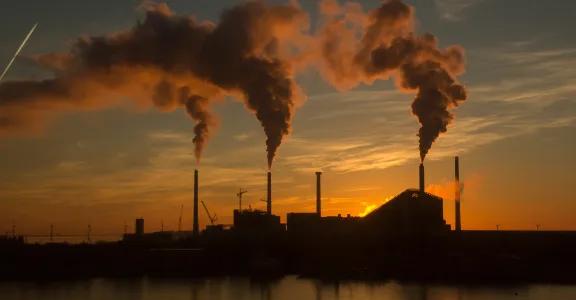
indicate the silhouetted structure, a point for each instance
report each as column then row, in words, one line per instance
column 410, row 212
column 269, row 194
column 303, row 223
column 458, row 225
column 139, row 227
column 196, row 227
column 214, row 229
column 405, row 238
column 311, row 224
column 421, row 177
column 11, row 240
column 318, row 194
column 256, row 221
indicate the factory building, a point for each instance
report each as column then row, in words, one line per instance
column 303, row 223
column 310, row 224
column 256, row 221
column 410, row 212
column 413, row 211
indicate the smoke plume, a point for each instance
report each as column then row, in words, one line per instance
column 169, row 61
column 358, row 47
column 196, row 106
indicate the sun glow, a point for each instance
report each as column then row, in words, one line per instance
column 368, row 209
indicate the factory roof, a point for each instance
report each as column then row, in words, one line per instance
column 406, row 195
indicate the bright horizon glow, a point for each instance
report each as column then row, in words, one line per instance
column 514, row 136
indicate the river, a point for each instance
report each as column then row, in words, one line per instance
column 287, row 288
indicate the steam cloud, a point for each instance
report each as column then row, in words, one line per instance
column 170, row 61
column 388, row 47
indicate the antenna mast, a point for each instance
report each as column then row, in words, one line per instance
column 239, row 194
column 180, row 218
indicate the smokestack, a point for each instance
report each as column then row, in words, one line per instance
column 269, row 196
column 422, row 178
column 195, row 228
column 457, row 191
column 139, row 227
column 318, row 194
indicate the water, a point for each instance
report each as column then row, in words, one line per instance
column 287, row 288
column 73, row 239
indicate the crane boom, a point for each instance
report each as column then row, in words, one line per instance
column 210, row 217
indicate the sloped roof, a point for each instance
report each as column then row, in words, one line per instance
column 406, row 195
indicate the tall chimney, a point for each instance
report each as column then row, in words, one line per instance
column 139, row 227
column 318, row 194
column 269, row 195
column 458, row 226
column 195, row 228
column 422, row 178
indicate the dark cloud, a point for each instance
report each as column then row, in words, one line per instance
column 169, row 61
column 362, row 47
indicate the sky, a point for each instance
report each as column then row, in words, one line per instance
column 105, row 167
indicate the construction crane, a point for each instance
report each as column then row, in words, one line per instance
column 180, row 218
column 239, row 194
column 210, row 217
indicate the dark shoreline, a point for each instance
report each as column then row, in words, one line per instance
column 467, row 258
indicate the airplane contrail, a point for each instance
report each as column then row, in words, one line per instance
column 18, row 51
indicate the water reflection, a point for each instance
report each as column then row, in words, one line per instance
column 287, row 288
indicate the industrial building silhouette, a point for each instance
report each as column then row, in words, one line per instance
column 412, row 212
column 406, row 230
column 405, row 238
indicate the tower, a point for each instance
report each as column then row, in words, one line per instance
column 318, row 194
column 269, row 194
column 195, row 228
column 421, row 178
column 458, row 225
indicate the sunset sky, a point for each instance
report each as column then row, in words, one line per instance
column 515, row 133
